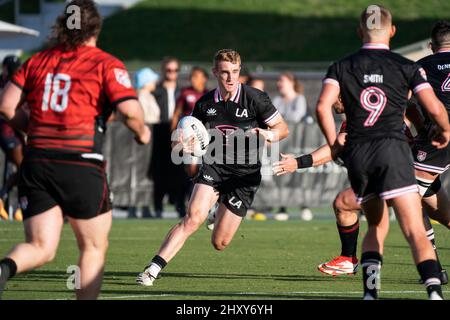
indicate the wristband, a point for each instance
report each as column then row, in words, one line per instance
column 305, row 161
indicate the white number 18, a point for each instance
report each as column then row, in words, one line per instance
column 53, row 84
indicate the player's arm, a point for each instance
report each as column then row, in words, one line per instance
column 132, row 115
column 10, row 100
column 317, row 158
column 438, row 114
column 278, row 129
column 324, row 112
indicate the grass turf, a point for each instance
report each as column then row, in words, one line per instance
column 266, row 260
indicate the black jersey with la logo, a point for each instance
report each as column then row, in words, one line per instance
column 248, row 108
column 374, row 84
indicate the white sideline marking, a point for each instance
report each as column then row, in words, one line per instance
column 342, row 293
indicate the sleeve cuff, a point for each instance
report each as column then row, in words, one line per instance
column 331, row 81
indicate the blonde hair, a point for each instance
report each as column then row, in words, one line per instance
column 375, row 20
column 228, row 55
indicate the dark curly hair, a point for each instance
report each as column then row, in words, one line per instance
column 90, row 25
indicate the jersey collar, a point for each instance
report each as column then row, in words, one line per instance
column 443, row 51
column 375, row 46
column 234, row 98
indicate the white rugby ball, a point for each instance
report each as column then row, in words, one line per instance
column 191, row 126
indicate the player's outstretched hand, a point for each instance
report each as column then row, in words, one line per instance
column 441, row 139
column 144, row 137
column 288, row 164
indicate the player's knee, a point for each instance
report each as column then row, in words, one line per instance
column 99, row 245
column 46, row 254
column 340, row 204
column 193, row 220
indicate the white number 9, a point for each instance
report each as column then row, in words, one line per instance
column 374, row 100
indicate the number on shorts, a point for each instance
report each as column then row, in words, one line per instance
column 373, row 100
column 446, row 84
column 59, row 99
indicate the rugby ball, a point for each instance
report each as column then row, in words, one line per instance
column 192, row 127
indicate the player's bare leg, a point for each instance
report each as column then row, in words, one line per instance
column 372, row 248
column 378, row 227
column 430, row 184
column 437, row 207
column 202, row 199
column 92, row 237
column 42, row 234
column 408, row 210
column 346, row 210
column 225, row 227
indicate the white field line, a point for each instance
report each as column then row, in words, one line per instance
column 274, row 294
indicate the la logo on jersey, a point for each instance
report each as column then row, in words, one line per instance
column 122, row 77
column 236, row 203
column 244, row 113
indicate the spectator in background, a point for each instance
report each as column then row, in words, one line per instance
column 244, row 76
column 256, row 83
column 11, row 141
column 167, row 177
column 145, row 82
column 290, row 102
column 185, row 104
column 189, row 95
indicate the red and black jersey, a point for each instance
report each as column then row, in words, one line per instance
column 187, row 99
column 70, row 95
column 374, row 85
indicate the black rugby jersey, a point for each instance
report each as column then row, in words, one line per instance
column 231, row 120
column 437, row 68
column 374, row 84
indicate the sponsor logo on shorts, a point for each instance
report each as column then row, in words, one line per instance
column 209, row 178
column 23, row 203
column 421, row 156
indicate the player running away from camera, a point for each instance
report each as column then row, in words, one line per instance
column 374, row 84
column 229, row 109
column 71, row 89
column 346, row 208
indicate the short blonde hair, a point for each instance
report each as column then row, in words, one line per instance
column 375, row 19
column 228, row 55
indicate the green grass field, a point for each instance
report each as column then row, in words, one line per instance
column 261, row 30
column 266, row 260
